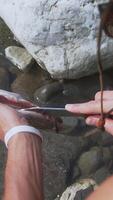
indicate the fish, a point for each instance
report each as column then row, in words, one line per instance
column 41, row 118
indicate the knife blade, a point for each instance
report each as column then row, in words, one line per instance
column 58, row 111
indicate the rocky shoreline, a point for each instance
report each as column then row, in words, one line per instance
column 68, row 157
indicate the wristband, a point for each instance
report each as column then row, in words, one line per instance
column 20, row 129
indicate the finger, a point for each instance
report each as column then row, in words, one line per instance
column 95, row 120
column 107, row 95
column 91, row 107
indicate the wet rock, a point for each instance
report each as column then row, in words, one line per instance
column 47, row 92
column 101, row 175
column 19, row 57
column 59, row 151
column 26, row 83
column 4, row 79
column 90, row 161
column 79, row 190
column 74, row 91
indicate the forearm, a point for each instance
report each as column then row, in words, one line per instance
column 23, row 176
column 104, row 192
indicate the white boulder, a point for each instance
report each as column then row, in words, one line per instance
column 59, row 34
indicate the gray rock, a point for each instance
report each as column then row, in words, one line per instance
column 63, row 38
column 101, row 174
column 59, row 151
column 19, row 57
column 90, row 161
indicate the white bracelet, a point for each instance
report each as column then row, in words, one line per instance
column 20, row 129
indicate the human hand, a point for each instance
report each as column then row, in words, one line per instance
column 8, row 119
column 93, row 109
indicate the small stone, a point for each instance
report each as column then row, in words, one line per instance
column 90, row 161
column 19, row 57
column 101, row 174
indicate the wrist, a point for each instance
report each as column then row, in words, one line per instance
column 21, row 129
column 22, row 140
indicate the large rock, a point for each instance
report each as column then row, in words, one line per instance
column 60, row 153
column 60, row 35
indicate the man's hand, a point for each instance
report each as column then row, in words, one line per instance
column 93, row 109
column 8, row 119
column 23, row 174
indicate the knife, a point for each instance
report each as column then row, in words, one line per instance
column 58, row 111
